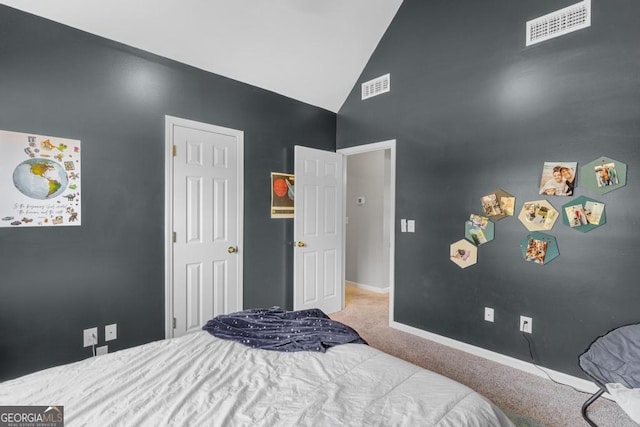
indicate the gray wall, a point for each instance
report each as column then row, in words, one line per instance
column 473, row 110
column 54, row 282
column 367, row 236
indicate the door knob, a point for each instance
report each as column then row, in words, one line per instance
column 300, row 244
column 232, row 249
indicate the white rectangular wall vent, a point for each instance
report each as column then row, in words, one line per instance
column 376, row 86
column 560, row 22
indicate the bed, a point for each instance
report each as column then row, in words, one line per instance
column 198, row 380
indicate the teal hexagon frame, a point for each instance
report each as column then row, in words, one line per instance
column 590, row 177
column 590, row 213
column 479, row 230
column 539, row 248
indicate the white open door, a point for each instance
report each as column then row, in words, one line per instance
column 318, row 230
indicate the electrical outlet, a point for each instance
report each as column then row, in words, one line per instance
column 111, row 332
column 526, row 324
column 102, row 350
column 90, row 337
column 488, row 314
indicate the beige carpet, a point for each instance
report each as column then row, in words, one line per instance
column 513, row 390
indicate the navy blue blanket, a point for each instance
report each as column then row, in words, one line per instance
column 277, row 329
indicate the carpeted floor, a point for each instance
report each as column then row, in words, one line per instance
column 526, row 398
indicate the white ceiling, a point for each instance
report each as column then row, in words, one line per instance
column 309, row 50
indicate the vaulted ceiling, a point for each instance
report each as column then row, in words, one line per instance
column 309, row 50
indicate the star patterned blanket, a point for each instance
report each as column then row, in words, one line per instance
column 280, row 330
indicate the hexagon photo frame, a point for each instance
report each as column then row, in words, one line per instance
column 538, row 215
column 463, row 253
column 479, row 229
column 584, row 214
column 539, row 248
column 498, row 204
column 603, row 175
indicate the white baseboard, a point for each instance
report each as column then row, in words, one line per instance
column 368, row 287
column 575, row 382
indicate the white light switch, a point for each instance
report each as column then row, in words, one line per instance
column 411, row 226
column 403, row 225
column 488, row 314
column 111, row 332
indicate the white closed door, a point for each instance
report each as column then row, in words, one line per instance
column 207, row 223
column 318, row 230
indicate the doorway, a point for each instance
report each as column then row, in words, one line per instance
column 370, row 218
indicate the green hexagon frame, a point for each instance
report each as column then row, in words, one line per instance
column 479, row 230
column 591, row 175
column 539, row 248
column 584, row 214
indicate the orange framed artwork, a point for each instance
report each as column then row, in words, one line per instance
column 282, row 195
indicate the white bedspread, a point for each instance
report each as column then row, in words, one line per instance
column 199, row 380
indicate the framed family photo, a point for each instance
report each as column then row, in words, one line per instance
column 558, row 178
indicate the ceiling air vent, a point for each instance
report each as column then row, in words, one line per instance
column 560, row 22
column 376, row 86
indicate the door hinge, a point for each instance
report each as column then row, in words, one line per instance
column 174, row 150
column 174, row 237
column 174, row 323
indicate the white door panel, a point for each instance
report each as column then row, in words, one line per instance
column 206, row 213
column 318, row 272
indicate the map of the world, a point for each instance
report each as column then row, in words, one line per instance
column 39, row 180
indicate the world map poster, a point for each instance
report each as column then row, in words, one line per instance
column 39, row 180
